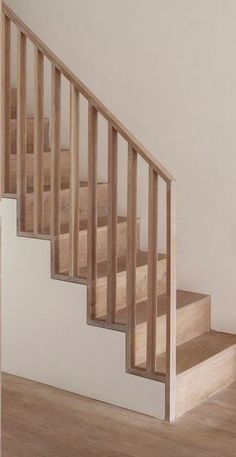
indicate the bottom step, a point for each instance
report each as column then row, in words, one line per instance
column 205, row 365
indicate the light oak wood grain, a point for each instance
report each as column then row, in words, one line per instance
column 38, row 140
column 102, row 242
column 213, row 360
column 6, row 99
column 79, row 426
column 46, row 163
column 171, row 307
column 141, row 281
column 13, row 102
column 112, row 226
column 30, row 135
column 65, row 205
column 192, row 320
column 131, row 277
column 74, row 183
column 21, row 130
column 55, row 168
column 152, row 272
column 92, row 208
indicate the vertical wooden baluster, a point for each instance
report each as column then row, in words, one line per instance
column 112, row 226
column 21, row 131
column 6, row 69
column 55, row 167
column 171, row 304
column 131, row 256
column 74, row 182
column 152, row 271
column 38, row 140
column 92, row 209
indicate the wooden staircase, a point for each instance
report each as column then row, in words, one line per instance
column 169, row 336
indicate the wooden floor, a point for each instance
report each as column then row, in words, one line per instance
column 39, row 421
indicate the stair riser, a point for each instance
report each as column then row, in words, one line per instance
column 101, row 245
column 64, row 166
column 191, row 321
column 205, row 379
column 65, row 206
column 30, row 135
column 141, row 288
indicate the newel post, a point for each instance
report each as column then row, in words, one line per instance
column 171, row 304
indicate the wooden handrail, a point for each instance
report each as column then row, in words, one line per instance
column 92, row 99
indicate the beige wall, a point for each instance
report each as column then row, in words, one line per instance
column 167, row 68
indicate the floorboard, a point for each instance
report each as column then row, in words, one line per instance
column 43, row 421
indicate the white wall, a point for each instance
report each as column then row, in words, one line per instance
column 167, row 68
column 45, row 336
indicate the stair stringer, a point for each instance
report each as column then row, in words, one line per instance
column 45, row 333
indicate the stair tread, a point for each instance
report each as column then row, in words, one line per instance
column 202, row 348
column 46, row 151
column 183, row 298
column 101, row 222
column 64, row 186
column 197, row 350
column 46, row 188
column 141, row 259
column 30, row 118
